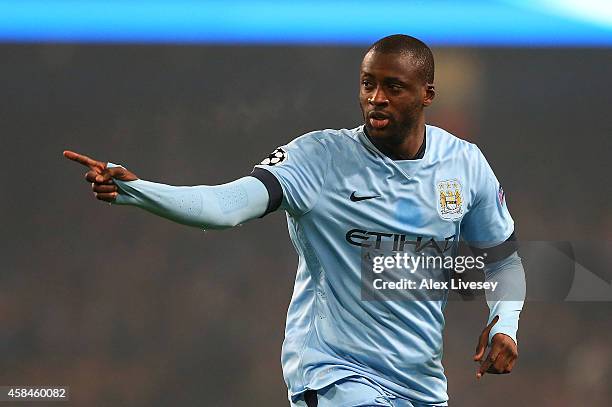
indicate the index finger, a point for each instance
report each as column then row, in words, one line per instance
column 485, row 365
column 83, row 159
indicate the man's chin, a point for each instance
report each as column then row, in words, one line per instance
column 378, row 131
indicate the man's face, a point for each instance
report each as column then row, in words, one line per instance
column 392, row 94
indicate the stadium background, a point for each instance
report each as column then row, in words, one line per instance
column 130, row 309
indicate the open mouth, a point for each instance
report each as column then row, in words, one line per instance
column 378, row 120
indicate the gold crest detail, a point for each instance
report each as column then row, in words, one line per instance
column 450, row 199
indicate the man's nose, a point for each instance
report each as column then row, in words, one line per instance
column 378, row 97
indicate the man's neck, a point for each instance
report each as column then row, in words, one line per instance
column 406, row 148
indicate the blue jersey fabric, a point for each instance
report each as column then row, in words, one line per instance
column 331, row 333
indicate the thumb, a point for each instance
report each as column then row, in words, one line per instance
column 115, row 172
column 108, row 174
column 480, row 348
column 119, row 173
column 490, row 326
column 483, row 340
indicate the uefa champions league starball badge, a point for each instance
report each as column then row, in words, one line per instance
column 276, row 157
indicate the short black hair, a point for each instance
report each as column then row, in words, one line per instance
column 410, row 46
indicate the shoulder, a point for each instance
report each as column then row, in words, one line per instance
column 327, row 137
column 446, row 145
column 330, row 140
column 314, row 147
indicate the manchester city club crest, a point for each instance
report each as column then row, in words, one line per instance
column 450, row 200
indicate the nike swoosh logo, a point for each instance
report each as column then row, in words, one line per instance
column 362, row 198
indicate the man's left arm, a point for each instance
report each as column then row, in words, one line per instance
column 505, row 305
column 489, row 230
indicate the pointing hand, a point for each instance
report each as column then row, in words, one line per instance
column 101, row 177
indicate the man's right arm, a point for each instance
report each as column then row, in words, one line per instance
column 207, row 207
column 203, row 206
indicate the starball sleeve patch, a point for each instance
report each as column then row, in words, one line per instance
column 276, row 157
column 501, row 195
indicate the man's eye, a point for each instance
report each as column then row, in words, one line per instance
column 396, row 86
column 366, row 84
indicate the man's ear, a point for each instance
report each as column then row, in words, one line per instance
column 430, row 94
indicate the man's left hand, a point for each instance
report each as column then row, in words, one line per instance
column 502, row 354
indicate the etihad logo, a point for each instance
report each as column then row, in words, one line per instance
column 397, row 241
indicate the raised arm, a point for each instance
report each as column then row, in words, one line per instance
column 203, row 206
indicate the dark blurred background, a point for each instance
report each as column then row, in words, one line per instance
column 133, row 310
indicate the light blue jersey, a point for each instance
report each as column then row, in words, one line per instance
column 342, row 194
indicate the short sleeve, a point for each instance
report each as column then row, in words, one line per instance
column 488, row 222
column 300, row 167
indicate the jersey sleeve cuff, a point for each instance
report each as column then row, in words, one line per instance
column 498, row 252
column 124, row 197
column 508, row 329
column 275, row 191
